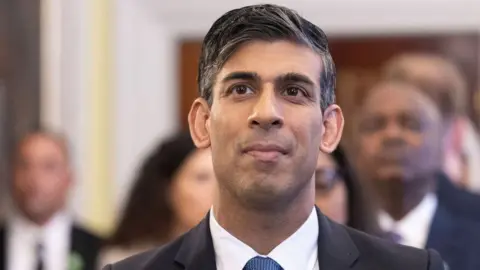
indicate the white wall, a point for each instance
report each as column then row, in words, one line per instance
column 145, row 71
column 146, row 102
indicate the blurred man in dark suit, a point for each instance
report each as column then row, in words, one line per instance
column 400, row 135
column 40, row 233
column 267, row 109
column 445, row 84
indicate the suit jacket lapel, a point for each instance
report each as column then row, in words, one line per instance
column 336, row 250
column 443, row 236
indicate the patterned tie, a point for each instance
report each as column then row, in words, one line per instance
column 262, row 263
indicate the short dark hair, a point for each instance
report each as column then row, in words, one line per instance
column 266, row 23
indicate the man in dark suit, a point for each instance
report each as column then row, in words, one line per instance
column 400, row 155
column 39, row 232
column 266, row 81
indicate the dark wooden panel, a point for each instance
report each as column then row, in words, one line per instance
column 19, row 76
column 23, row 77
column 189, row 54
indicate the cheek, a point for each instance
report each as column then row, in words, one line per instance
column 367, row 147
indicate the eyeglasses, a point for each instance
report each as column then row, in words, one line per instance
column 325, row 179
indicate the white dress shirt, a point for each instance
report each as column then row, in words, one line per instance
column 299, row 251
column 415, row 226
column 23, row 237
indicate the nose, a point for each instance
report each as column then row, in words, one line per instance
column 392, row 130
column 393, row 135
column 267, row 112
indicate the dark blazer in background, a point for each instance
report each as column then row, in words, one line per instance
column 82, row 242
column 456, row 239
column 461, row 202
column 339, row 248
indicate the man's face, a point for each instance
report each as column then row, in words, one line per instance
column 265, row 125
column 399, row 134
column 41, row 178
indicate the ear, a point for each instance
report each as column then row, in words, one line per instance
column 199, row 123
column 332, row 128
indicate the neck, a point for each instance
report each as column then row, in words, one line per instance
column 260, row 229
column 40, row 221
column 398, row 197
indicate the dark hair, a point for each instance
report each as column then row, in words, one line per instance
column 148, row 216
column 361, row 214
column 265, row 23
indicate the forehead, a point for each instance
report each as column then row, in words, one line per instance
column 271, row 59
column 395, row 98
column 424, row 68
column 41, row 145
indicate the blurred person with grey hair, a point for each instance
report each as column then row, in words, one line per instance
column 267, row 111
column 398, row 141
column 39, row 232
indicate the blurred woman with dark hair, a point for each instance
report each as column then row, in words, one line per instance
column 173, row 191
column 340, row 196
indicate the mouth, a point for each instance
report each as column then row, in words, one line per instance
column 265, row 152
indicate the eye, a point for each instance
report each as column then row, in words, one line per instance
column 411, row 123
column 371, row 125
column 293, row 91
column 241, row 90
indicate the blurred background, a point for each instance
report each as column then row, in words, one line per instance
column 117, row 77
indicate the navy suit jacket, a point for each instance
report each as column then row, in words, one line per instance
column 339, row 248
column 463, row 203
column 456, row 239
column 82, row 242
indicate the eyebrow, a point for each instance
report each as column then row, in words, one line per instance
column 294, row 77
column 241, row 75
column 253, row 76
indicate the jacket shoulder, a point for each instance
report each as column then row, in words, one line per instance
column 86, row 234
column 377, row 253
column 165, row 255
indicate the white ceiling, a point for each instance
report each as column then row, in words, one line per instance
column 194, row 17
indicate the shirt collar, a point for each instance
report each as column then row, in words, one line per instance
column 415, row 226
column 299, row 251
column 27, row 228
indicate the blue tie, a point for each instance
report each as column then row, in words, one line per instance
column 262, row 263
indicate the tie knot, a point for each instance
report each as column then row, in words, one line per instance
column 262, row 263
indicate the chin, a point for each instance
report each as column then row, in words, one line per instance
column 265, row 195
column 397, row 173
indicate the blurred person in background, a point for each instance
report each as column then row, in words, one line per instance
column 173, row 191
column 447, row 86
column 443, row 82
column 40, row 232
column 340, row 196
column 399, row 155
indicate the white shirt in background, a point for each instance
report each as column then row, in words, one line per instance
column 299, row 251
column 23, row 236
column 414, row 228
